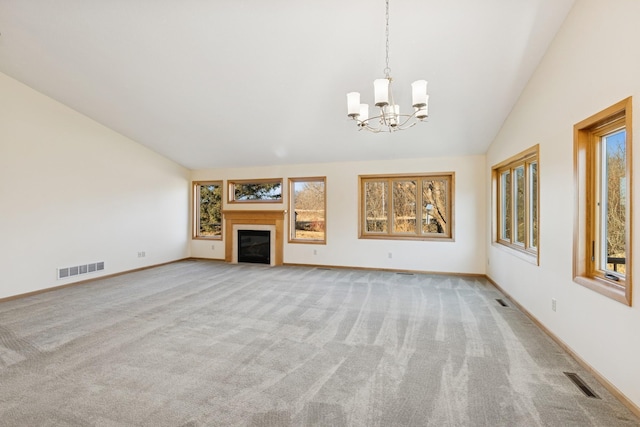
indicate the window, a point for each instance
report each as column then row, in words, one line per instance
column 407, row 206
column 602, row 169
column 308, row 207
column 256, row 191
column 207, row 223
column 516, row 190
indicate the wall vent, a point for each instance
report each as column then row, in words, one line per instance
column 78, row 270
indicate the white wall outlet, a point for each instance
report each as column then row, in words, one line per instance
column 315, row 252
column 390, row 255
column 213, row 247
column 141, row 254
column 553, row 304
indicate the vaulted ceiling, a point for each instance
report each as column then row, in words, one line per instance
column 250, row 82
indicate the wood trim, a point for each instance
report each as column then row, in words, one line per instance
column 520, row 157
column 85, row 281
column 596, row 374
column 258, row 217
column 584, row 229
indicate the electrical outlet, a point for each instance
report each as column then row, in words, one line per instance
column 315, row 252
column 553, row 304
column 390, row 255
column 213, row 247
column 141, row 254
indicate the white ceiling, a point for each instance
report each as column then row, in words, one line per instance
column 250, row 82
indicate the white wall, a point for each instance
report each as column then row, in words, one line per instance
column 465, row 255
column 75, row 192
column 592, row 64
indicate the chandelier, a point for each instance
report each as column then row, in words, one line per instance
column 389, row 118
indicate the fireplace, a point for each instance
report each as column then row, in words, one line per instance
column 254, row 246
column 271, row 221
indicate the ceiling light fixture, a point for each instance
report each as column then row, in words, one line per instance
column 390, row 119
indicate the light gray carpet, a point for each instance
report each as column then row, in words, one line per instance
column 199, row 343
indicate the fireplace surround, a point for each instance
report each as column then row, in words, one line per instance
column 271, row 220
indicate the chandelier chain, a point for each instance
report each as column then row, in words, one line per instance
column 387, row 70
column 388, row 118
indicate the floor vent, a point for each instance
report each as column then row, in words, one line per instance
column 405, row 274
column 581, row 385
column 78, row 270
column 501, row 302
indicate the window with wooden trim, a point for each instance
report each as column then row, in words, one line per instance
column 255, row 191
column 307, row 197
column 603, row 210
column 207, row 221
column 407, row 206
column 516, row 190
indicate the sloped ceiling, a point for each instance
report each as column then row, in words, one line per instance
column 249, row 82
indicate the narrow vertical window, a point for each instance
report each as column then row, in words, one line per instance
column 207, row 220
column 307, row 197
column 435, row 200
column 602, row 167
column 376, row 206
column 533, row 206
column 404, row 206
column 516, row 186
column 612, row 212
column 505, row 205
column 520, row 198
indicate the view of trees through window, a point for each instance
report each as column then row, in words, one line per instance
column 307, row 196
column 614, row 198
column 255, row 191
column 407, row 206
column 209, row 207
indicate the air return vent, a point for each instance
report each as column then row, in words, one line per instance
column 581, row 385
column 78, row 270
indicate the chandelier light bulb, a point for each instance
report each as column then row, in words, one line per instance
column 353, row 104
column 364, row 112
column 381, row 92
column 419, row 92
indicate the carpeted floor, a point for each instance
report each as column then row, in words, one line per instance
column 198, row 343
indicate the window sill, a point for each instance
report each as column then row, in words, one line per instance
column 409, row 237
column 310, row 242
column 206, row 238
column 531, row 258
column 605, row 287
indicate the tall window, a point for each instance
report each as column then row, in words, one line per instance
column 602, row 167
column 308, row 207
column 407, row 206
column 516, row 182
column 207, row 222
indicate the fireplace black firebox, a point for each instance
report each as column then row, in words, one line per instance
column 254, row 246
